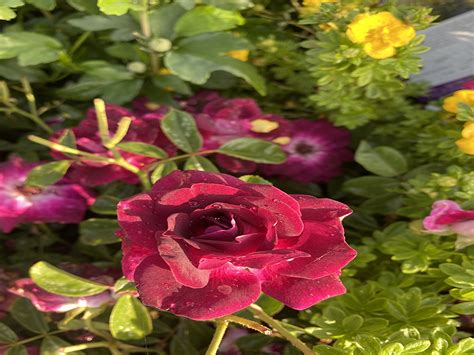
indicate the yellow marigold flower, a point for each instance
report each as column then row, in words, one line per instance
column 282, row 140
column 242, row 55
column 311, row 6
column 164, row 71
column 261, row 125
column 450, row 104
column 380, row 34
column 466, row 143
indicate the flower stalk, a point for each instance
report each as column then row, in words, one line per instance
column 275, row 324
column 221, row 328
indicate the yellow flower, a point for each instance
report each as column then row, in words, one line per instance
column 450, row 104
column 282, row 140
column 242, row 55
column 466, row 143
column 380, row 34
column 261, row 125
column 312, row 6
column 164, row 71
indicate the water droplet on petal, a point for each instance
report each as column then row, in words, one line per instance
column 224, row 289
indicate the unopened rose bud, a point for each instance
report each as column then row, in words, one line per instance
column 136, row 67
column 160, row 44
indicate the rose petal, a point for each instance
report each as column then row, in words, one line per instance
column 183, row 270
column 229, row 290
column 49, row 302
column 320, row 209
column 301, row 293
column 328, row 249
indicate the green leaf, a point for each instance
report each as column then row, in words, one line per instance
column 46, row 5
column 230, row 4
column 163, row 170
column 122, row 27
column 163, row 20
column 123, row 285
column 7, row 335
column 52, row 345
column 270, row 305
column 255, row 179
column 84, row 5
column 60, row 282
column 98, row 231
column 147, row 150
column 383, row 161
column 416, row 347
column 107, row 202
column 180, row 346
column 17, row 350
column 6, row 12
column 352, row 323
column 204, row 19
column 253, row 149
column 200, row 163
column 369, row 186
column 195, row 58
column 47, row 174
column 130, row 319
column 466, row 308
column 68, row 139
column 119, row 7
column 28, row 316
column 181, row 129
column 30, row 48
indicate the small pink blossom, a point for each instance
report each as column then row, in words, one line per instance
column 62, row 202
column 49, row 302
column 448, row 216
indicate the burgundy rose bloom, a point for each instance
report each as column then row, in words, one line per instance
column 315, row 152
column 204, row 245
column 50, row 302
column 447, row 215
column 62, row 202
column 144, row 129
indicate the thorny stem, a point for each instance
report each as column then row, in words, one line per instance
column 259, row 313
column 248, row 324
column 146, row 31
column 222, row 325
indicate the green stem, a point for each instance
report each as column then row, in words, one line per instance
column 248, row 324
column 275, row 324
column 222, row 325
column 79, row 347
column 29, row 340
column 34, row 118
column 179, row 157
column 79, row 41
column 146, row 31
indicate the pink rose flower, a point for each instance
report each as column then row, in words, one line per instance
column 204, row 245
column 62, row 202
column 315, row 152
column 145, row 128
column 50, row 302
column 447, row 216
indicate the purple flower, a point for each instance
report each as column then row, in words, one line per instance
column 315, row 152
column 49, row 302
column 448, row 216
column 62, row 202
column 144, row 128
